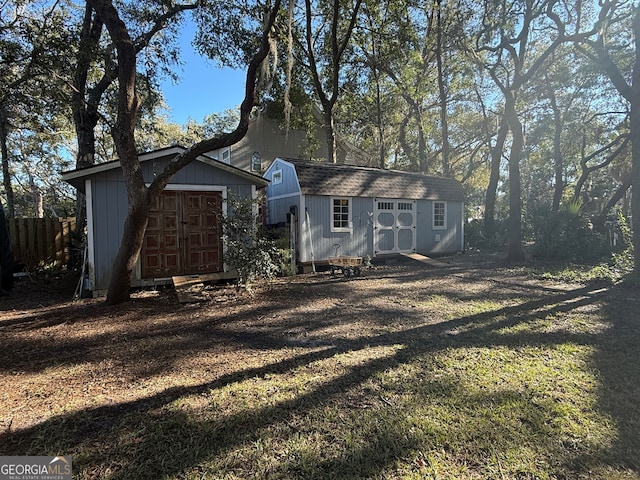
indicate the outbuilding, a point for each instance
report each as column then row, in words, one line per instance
column 361, row 211
column 182, row 237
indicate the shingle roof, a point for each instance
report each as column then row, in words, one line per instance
column 347, row 180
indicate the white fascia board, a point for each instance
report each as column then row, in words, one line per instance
column 462, row 221
column 187, row 187
column 289, row 164
column 91, row 247
column 103, row 167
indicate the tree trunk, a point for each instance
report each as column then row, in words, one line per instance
column 332, row 155
column 382, row 149
column 418, row 160
column 6, row 175
column 85, row 110
column 444, row 124
column 38, row 201
column 139, row 196
column 489, row 223
column 134, row 228
column 423, row 160
column 617, row 196
column 124, row 138
column 405, row 145
column 379, row 126
column 85, row 124
column 635, row 144
column 558, row 161
column 514, row 253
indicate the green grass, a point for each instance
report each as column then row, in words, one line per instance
column 543, row 387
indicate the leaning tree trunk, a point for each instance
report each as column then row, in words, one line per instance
column 618, row 195
column 139, row 195
column 135, row 226
column 85, row 132
column 124, row 138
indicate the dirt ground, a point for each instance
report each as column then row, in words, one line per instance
column 59, row 356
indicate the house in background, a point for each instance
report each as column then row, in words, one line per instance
column 361, row 211
column 183, row 236
column 266, row 140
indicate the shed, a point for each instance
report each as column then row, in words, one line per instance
column 362, row 211
column 182, row 237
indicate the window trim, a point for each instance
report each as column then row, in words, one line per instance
column 444, row 216
column 332, row 219
column 225, row 155
column 276, row 177
column 256, row 162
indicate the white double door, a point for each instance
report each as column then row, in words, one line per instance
column 394, row 223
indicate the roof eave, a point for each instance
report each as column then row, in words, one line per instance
column 76, row 177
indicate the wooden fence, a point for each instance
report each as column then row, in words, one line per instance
column 41, row 242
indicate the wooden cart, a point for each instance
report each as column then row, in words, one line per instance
column 348, row 265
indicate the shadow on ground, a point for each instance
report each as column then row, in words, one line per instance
column 140, row 438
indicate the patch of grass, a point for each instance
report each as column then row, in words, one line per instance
column 527, row 382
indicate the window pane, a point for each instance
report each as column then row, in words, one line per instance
column 439, row 214
column 340, row 213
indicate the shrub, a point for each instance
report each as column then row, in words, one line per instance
column 476, row 238
column 566, row 235
column 616, row 269
column 622, row 260
column 247, row 249
column 286, row 265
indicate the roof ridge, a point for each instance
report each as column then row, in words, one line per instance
column 311, row 163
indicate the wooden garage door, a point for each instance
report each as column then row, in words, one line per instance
column 183, row 236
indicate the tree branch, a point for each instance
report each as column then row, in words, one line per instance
column 224, row 140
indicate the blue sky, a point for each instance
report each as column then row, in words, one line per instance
column 203, row 88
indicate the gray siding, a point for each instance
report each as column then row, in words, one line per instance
column 315, row 233
column 110, row 204
column 450, row 239
column 281, row 196
column 358, row 242
column 288, row 185
column 197, row 173
column 278, row 209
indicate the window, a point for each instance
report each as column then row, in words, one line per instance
column 439, row 215
column 256, row 162
column 341, row 208
column 226, row 155
column 276, row 177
